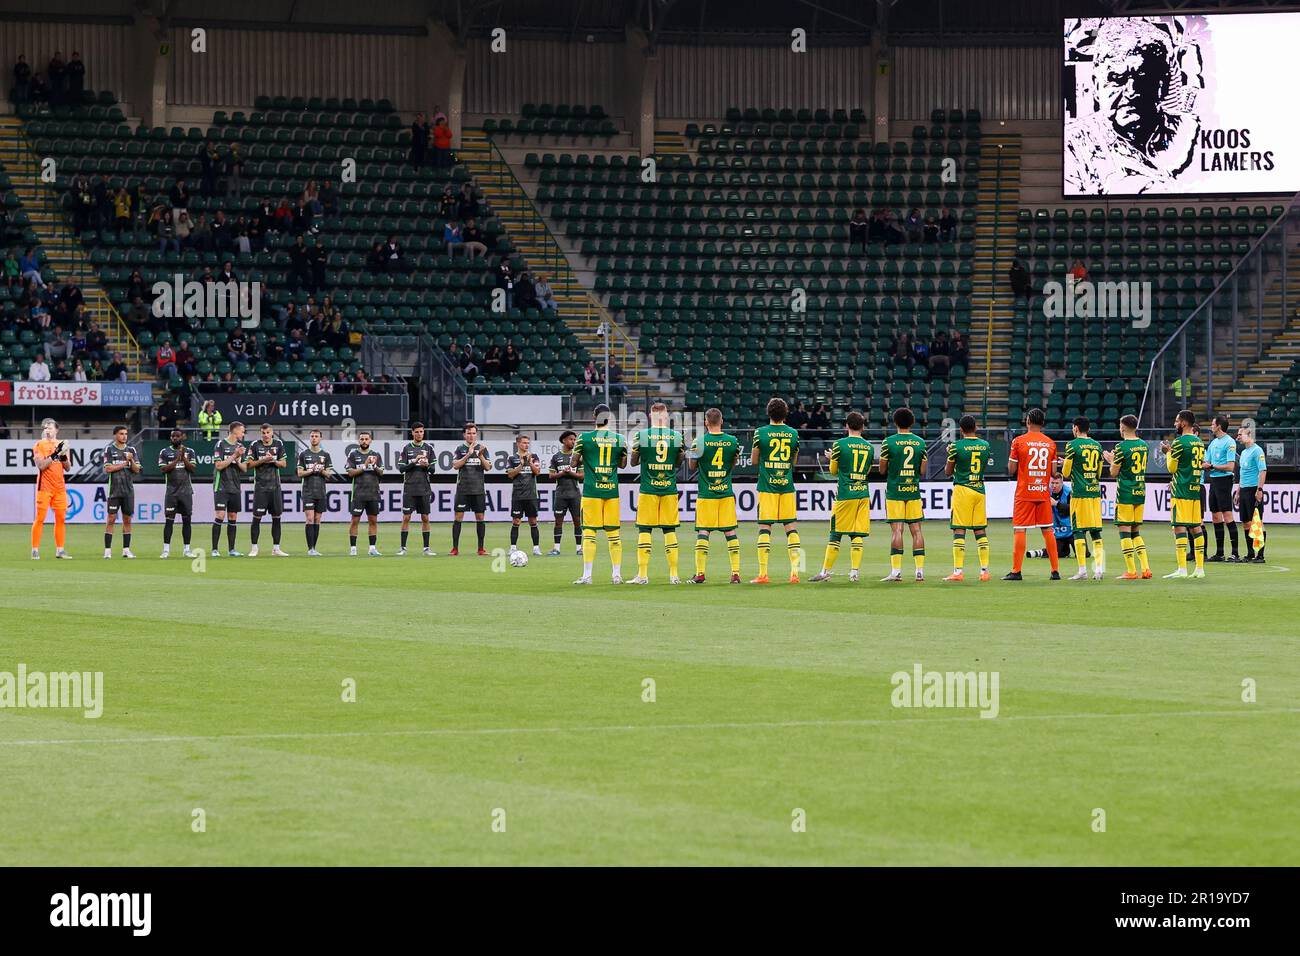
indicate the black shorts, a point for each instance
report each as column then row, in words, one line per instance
column 123, row 503
column 227, row 501
column 572, row 506
column 368, row 506
column 316, row 503
column 524, row 509
column 1249, row 500
column 1221, row 493
column 178, row 504
column 476, row 504
column 416, row 504
column 268, row 501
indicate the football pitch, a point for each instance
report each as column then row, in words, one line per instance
column 505, row 716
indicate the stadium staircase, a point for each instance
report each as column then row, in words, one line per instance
column 992, row 326
column 532, row 238
column 63, row 251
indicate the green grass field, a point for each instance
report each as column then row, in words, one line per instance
column 480, row 690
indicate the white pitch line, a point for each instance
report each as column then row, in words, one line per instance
column 626, row 728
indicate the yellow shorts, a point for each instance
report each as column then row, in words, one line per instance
column 715, row 514
column 600, row 513
column 903, row 510
column 1128, row 514
column 969, row 509
column 657, row 511
column 1085, row 514
column 776, row 506
column 851, row 516
column 1187, row 512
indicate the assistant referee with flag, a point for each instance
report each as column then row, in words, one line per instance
column 1253, row 470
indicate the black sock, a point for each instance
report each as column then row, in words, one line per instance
column 216, row 534
column 230, row 535
column 307, row 533
column 372, row 540
column 514, row 534
column 481, row 527
column 425, row 535
column 537, row 535
column 108, row 540
column 185, row 530
column 255, row 532
column 577, row 534
column 275, row 530
column 1218, row 537
column 404, row 535
column 315, row 534
column 352, row 540
column 167, row 530
column 126, row 540
column 559, row 534
column 455, row 535
column 1232, row 533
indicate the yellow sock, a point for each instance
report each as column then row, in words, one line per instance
column 918, row 558
column 701, row 553
column 1130, row 562
column 1180, row 543
column 1080, row 552
column 643, row 540
column 855, row 554
column 792, row 550
column 896, row 561
column 733, row 554
column 670, row 545
column 832, row 552
column 1199, row 542
column 958, row 553
column 982, row 543
column 588, row 549
column 764, row 549
column 1140, row 547
column 1098, row 555
column 615, row 538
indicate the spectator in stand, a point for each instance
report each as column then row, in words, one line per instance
column 79, row 371
column 77, row 342
column 545, row 295
column 60, row 372
column 311, row 196
column 958, row 353
column 441, row 144
column 253, row 347
column 179, row 196
column 39, row 91
column 1019, row 276
column 859, row 228
column 913, row 226
column 342, row 384
column 140, row 317
column 319, row 261
column 13, row 275
column 505, row 280
column 115, row 371
column 324, row 386
column 375, row 259
column 57, row 71
column 122, row 210
column 419, row 140
column 102, row 195
column 447, row 204
column 947, row 226
column 939, row 360
column 56, row 346
column 236, row 347
column 170, row 414
column 96, row 342
column 39, row 371
column 71, row 298
column 209, row 168
column 235, row 173
column 300, row 274
column 394, row 260
column 475, row 241
column 492, row 362
column 29, row 267
column 227, row 273
column 451, row 235
column 467, row 204
column 135, row 286
column 931, row 230
column 1079, row 271
column 22, row 80
column 223, row 233
column 228, row 383
column 183, row 230
column 361, row 384
column 876, row 227
column 592, row 377
column 902, row 351
column 165, row 359
column 798, row 417
column 96, row 371
column 525, row 292
column 296, row 347
column 894, row 234
column 303, row 220
column 165, row 230
column 820, row 420
column 337, row 331
column 283, row 217
column 185, row 360
column 616, row 387
column 920, row 352
column 510, row 361
column 329, row 199
column 75, row 78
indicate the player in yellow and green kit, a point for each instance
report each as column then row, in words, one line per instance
column 1081, row 467
column 1128, row 463
column 713, row 457
column 902, row 459
column 968, row 457
column 658, row 450
column 851, row 458
column 1185, row 456
column 600, row 453
column 776, row 448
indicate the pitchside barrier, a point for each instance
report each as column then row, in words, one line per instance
column 815, row 500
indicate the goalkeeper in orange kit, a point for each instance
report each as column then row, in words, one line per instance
column 51, row 456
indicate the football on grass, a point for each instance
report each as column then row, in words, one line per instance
column 519, row 559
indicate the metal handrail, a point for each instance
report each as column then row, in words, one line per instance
column 1256, row 248
column 537, row 222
